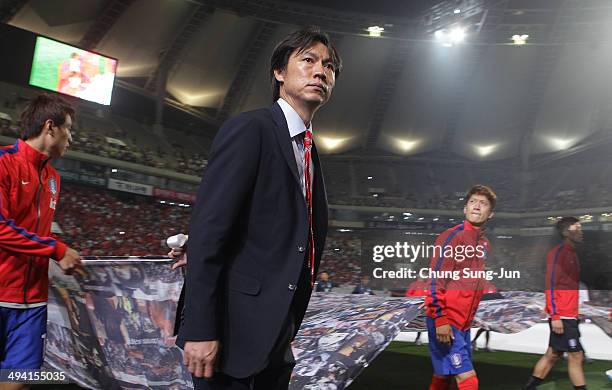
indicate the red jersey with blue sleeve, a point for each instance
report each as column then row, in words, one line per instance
column 29, row 192
column 462, row 251
column 562, row 282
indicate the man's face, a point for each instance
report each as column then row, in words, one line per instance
column 61, row 139
column 309, row 76
column 477, row 210
column 324, row 276
column 574, row 232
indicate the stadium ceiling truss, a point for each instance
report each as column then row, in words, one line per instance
column 456, row 101
column 394, row 66
column 10, row 8
column 103, row 23
column 243, row 79
column 171, row 55
column 546, row 60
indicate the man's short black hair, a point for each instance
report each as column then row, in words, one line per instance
column 564, row 223
column 300, row 41
column 39, row 110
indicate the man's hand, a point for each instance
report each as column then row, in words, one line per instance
column 557, row 326
column 200, row 356
column 71, row 263
column 180, row 255
column 444, row 334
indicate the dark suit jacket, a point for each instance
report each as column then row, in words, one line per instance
column 248, row 241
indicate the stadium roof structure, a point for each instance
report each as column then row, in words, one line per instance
column 401, row 94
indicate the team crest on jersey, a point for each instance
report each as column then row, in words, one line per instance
column 455, row 360
column 53, row 186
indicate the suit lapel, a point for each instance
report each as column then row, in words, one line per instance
column 284, row 141
column 319, row 193
column 319, row 199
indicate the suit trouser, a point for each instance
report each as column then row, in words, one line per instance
column 277, row 370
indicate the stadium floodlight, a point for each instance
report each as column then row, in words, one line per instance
column 332, row 143
column 406, row 145
column 122, row 233
column 114, row 170
column 520, row 39
column 435, row 219
column 457, row 35
column 370, row 177
column 561, row 143
column 375, row 195
column 449, row 38
column 421, row 218
column 457, row 11
column 485, row 150
column 375, row 31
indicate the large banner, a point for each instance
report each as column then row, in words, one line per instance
column 342, row 334
column 113, row 329
column 516, row 311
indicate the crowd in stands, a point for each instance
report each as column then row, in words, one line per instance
column 106, row 139
column 193, row 163
column 342, row 259
column 8, row 128
column 107, row 223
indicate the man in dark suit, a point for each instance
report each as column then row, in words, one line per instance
column 258, row 229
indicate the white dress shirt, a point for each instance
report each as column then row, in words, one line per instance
column 297, row 131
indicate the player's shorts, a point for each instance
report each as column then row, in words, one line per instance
column 450, row 360
column 569, row 341
column 22, row 337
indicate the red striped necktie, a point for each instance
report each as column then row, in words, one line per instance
column 307, row 183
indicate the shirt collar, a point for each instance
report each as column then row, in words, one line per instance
column 294, row 122
column 468, row 226
column 31, row 154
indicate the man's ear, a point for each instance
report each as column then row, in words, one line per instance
column 491, row 215
column 279, row 75
column 48, row 127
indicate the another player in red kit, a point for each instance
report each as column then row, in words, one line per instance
column 453, row 297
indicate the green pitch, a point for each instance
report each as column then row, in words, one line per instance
column 406, row 366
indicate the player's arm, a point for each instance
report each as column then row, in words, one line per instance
column 557, row 292
column 438, row 292
column 18, row 240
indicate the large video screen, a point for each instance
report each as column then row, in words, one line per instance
column 72, row 71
